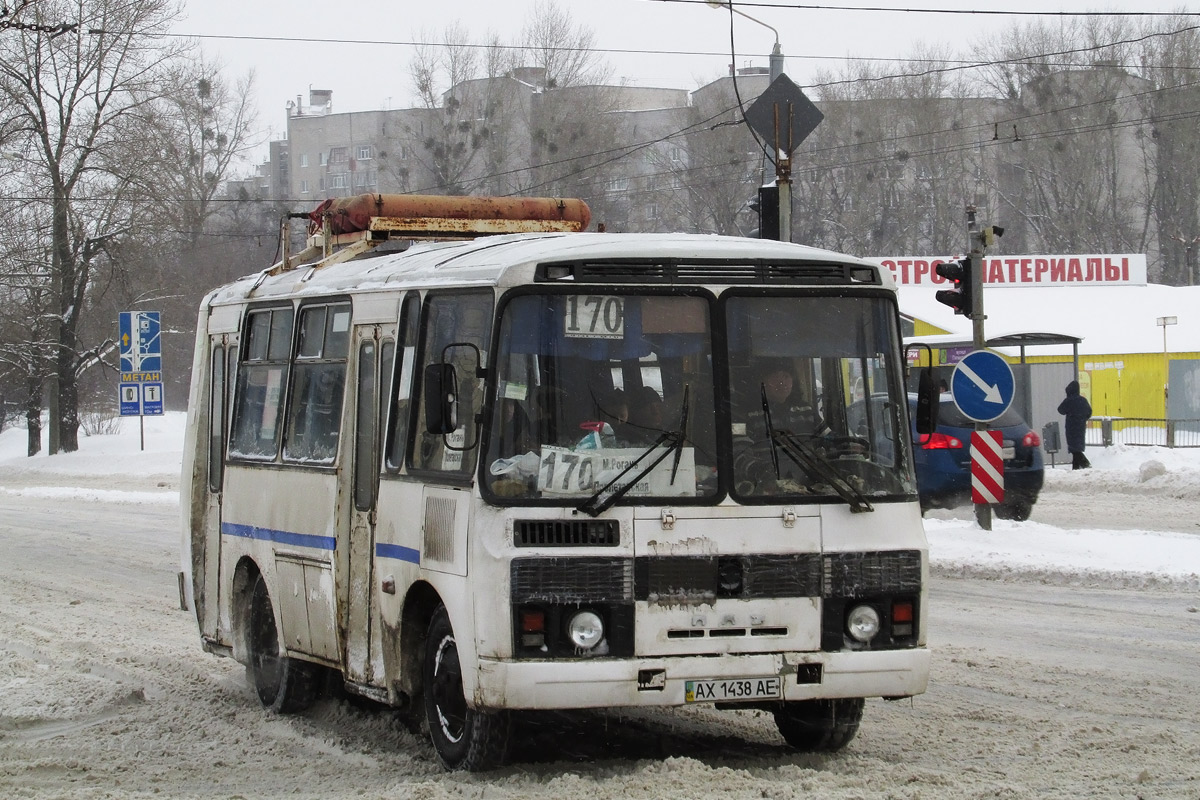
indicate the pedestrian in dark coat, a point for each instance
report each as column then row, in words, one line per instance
column 1078, row 411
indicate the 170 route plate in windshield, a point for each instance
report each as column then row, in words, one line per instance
column 732, row 690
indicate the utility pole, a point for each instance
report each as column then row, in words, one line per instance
column 965, row 296
column 783, row 178
column 983, row 511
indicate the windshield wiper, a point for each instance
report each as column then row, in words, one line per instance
column 594, row 505
column 804, row 456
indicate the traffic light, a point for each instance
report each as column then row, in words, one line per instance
column 961, row 297
column 768, row 212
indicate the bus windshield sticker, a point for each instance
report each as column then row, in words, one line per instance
column 452, row 456
column 593, row 316
column 570, row 472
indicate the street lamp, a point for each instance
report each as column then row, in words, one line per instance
column 776, row 62
column 1164, row 322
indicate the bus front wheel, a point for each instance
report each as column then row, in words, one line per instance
column 819, row 725
column 285, row 685
column 464, row 738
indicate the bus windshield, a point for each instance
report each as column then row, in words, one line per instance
column 620, row 397
column 816, row 399
column 588, row 384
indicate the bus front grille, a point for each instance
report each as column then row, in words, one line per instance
column 854, row 575
column 571, row 580
column 566, row 533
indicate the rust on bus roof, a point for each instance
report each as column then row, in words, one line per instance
column 433, row 214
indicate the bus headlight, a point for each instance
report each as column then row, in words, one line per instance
column 586, row 630
column 862, row 623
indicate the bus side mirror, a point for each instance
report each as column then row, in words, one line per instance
column 928, row 403
column 441, row 399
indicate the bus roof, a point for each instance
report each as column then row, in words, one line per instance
column 510, row 260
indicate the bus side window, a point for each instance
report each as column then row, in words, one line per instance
column 261, row 376
column 319, row 384
column 401, row 392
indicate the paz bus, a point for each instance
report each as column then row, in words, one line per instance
column 473, row 461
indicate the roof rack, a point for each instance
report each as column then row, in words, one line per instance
column 358, row 224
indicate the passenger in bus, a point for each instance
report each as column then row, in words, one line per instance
column 515, row 428
column 646, row 416
column 614, row 409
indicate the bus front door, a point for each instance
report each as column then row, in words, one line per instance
column 363, row 650
column 221, row 355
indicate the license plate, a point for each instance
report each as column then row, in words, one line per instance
column 1009, row 452
column 732, row 690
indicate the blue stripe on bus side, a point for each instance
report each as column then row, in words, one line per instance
column 398, row 552
column 280, row 537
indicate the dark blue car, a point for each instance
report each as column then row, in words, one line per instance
column 943, row 461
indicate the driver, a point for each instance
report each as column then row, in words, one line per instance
column 790, row 414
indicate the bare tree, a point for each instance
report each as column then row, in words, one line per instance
column 452, row 133
column 1073, row 173
column 201, row 128
column 494, row 116
column 25, row 313
column 14, row 18
column 716, row 168
column 565, row 51
column 892, row 165
column 75, row 99
column 1169, row 51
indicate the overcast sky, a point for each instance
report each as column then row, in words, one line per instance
column 695, row 37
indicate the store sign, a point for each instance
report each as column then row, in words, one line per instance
column 1021, row 271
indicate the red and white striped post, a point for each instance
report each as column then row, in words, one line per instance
column 987, row 467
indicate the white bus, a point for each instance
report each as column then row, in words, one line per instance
column 557, row 470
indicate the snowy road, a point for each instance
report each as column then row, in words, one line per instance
column 1037, row 691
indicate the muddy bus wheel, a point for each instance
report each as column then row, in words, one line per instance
column 283, row 684
column 464, row 738
column 819, row 725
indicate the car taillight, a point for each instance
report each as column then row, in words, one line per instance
column 942, row 441
column 1031, row 439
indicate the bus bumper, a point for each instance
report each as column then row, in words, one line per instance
column 598, row 683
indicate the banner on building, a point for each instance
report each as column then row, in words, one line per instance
column 1127, row 269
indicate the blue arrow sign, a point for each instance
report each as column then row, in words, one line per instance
column 141, row 346
column 982, row 385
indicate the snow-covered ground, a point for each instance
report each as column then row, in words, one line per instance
column 1124, row 541
column 1070, row 676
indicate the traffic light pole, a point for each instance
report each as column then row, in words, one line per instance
column 783, row 177
column 983, row 511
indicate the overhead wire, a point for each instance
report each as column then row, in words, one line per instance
column 628, row 150
column 952, row 11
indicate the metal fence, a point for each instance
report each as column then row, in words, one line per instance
column 1143, row 431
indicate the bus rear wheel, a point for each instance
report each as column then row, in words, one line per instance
column 464, row 738
column 819, row 725
column 285, row 685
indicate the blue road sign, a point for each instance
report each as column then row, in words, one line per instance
column 130, row 395
column 982, row 385
column 152, row 398
column 141, row 346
